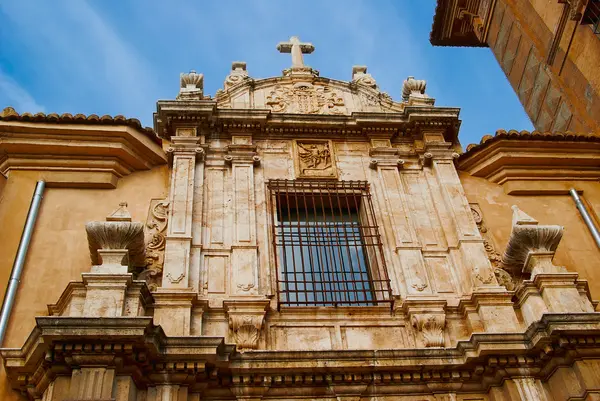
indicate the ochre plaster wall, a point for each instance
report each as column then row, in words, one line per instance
column 58, row 251
column 577, row 250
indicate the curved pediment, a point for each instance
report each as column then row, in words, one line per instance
column 305, row 93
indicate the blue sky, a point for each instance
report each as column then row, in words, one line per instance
column 119, row 57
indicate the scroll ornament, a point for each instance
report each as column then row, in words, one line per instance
column 156, row 225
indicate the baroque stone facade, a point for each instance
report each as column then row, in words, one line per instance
column 296, row 237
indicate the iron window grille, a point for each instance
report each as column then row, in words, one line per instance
column 327, row 244
column 591, row 16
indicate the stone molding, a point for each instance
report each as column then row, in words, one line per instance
column 79, row 159
column 560, row 156
column 139, row 349
column 528, row 240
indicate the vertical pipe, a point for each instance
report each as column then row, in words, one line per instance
column 586, row 216
column 19, row 263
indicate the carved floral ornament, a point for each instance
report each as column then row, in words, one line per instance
column 431, row 326
column 305, row 98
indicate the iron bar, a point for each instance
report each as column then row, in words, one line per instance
column 327, row 243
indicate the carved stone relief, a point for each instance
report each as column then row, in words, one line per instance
column 246, row 330
column 156, row 225
column 504, row 278
column 305, row 98
column 431, row 327
column 314, row 158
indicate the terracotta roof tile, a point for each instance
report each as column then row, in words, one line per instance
column 487, row 140
column 9, row 114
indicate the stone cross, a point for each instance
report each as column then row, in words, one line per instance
column 296, row 47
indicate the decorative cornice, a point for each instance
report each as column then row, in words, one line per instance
column 9, row 114
column 513, row 156
column 59, row 344
column 76, row 153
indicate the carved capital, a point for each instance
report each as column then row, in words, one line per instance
column 431, row 327
column 528, row 239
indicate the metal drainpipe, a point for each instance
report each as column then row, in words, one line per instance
column 17, row 269
column 586, row 216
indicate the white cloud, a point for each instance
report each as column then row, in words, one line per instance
column 12, row 94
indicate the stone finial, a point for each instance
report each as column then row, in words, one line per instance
column 116, row 243
column 412, row 85
column 120, row 214
column 413, row 92
column 191, row 86
column 530, row 243
column 237, row 75
column 360, row 76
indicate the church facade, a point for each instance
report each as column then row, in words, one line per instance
column 298, row 237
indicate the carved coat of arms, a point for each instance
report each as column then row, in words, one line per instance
column 305, row 98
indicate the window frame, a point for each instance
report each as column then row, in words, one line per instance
column 371, row 246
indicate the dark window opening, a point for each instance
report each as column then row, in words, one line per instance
column 591, row 16
column 328, row 247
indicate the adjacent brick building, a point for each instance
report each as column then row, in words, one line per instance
column 548, row 49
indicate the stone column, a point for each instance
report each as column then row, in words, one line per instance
column 407, row 258
column 92, row 383
column 242, row 157
column 490, row 304
column 174, row 299
column 185, row 152
column 529, row 389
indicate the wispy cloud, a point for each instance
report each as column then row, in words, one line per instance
column 12, row 94
column 90, row 60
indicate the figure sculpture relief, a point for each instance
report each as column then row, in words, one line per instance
column 314, row 159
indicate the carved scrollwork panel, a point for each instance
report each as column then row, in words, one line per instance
column 156, row 226
column 503, row 277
